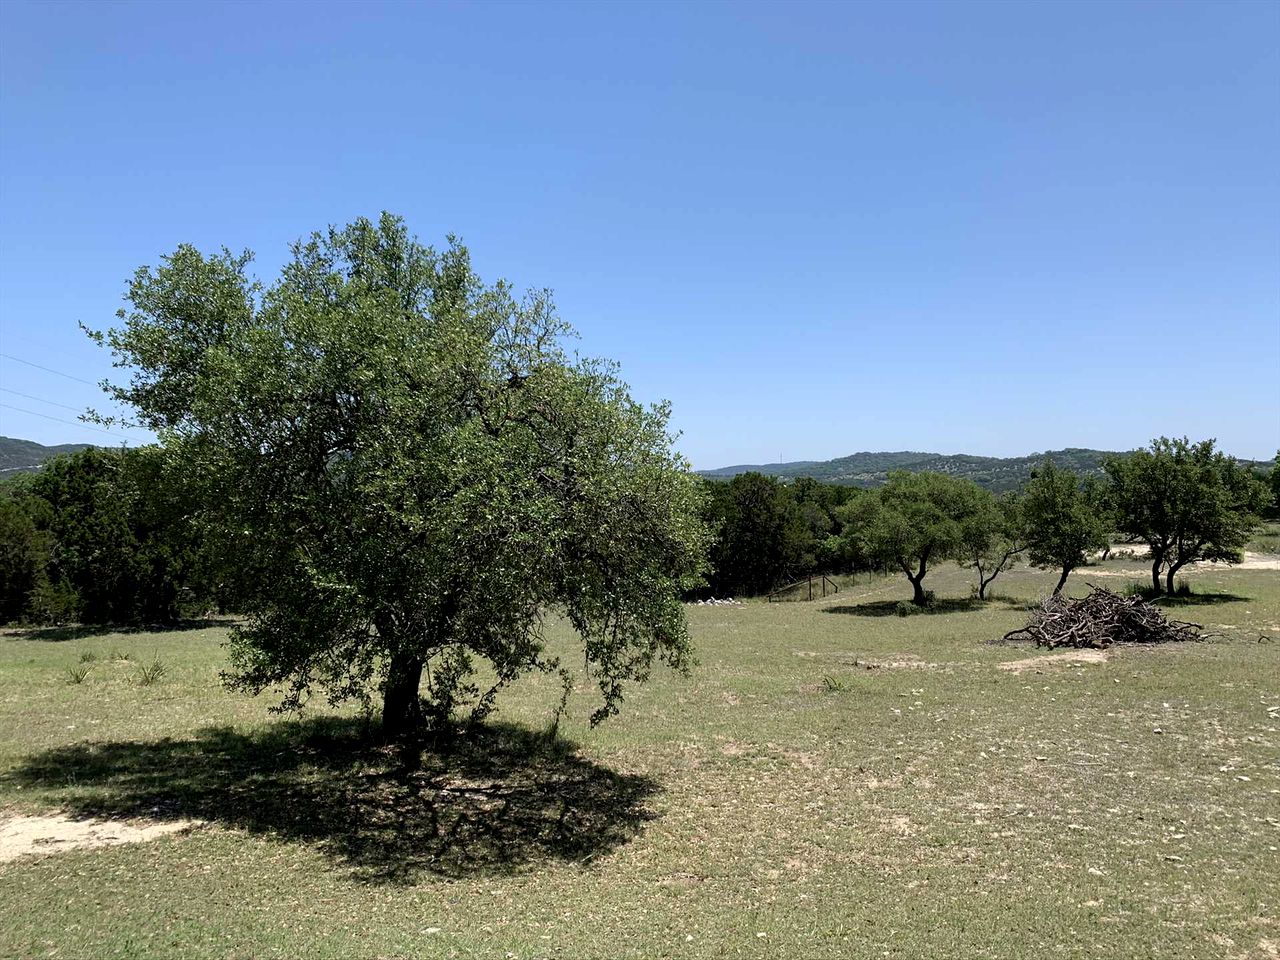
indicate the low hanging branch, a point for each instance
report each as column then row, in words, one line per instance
column 1101, row 619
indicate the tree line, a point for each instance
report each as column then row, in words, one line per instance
column 111, row 536
column 1183, row 501
column 116, row 536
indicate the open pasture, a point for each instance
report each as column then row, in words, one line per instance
column 831, row 780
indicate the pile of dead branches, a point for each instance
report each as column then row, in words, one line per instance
column 1099, row 620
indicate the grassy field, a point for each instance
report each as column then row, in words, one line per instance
column 832, row 780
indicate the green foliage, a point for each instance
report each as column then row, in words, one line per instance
column 409, row 471
column 77, row 674
column 1273, row 483
column 992, row 538
column 759, row 535
column 24, row 557
column 1063, row 519
column 916, row 519
column 1187, row 502
column 152, row 673
column 103, row 536
column 768, row 532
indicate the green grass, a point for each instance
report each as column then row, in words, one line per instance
column 1266, row 539
column 830, row 781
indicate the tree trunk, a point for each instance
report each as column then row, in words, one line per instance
column 1062, row 581
column 1155, row 573
column 1173, row 569
column 401, row 705
column 917, row 590
column 982, row 588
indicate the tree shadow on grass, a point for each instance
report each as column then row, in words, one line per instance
column 493, row 801
column 1199, row 599
column 893, row 608
column 85, row 631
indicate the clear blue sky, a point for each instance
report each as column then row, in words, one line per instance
column 816, row 229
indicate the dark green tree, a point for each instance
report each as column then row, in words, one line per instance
column 24, row 555
column 1273, row 482
column 913, row 521
column 1063, row 519
column 118, row 534
column 414, row 473
column 1187, row 502
column 761, row 535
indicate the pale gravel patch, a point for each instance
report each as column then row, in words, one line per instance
column 1050, row 659
column 28, row 836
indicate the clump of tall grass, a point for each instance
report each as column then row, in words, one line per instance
column 152, row 673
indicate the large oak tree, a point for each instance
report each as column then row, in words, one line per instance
column 413, row 471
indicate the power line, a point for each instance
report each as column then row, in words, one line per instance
column 52, row 403
column 73, row 423
column 59, row 373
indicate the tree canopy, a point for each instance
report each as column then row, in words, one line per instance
column 102, row 536
column 1187, row 502
column 914, row 520
column 993, row 538
column 414, row 471
column 1064, row 520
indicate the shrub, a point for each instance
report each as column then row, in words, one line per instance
column 76, row 674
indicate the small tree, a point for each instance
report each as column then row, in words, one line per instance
column 413, row 472
column 1187, row 501
column 914, row 520
column 992, row 538
column 1063, row 520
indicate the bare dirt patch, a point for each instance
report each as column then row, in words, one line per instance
column 1053, row 659
column 1252, row 561
column 24, row 836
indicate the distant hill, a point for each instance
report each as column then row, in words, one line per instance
column 872, row 469
column 26, row 456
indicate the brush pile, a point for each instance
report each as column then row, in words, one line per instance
column 1099, row 620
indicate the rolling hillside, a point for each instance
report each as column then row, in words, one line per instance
column 871, row 469
column 26, row 456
